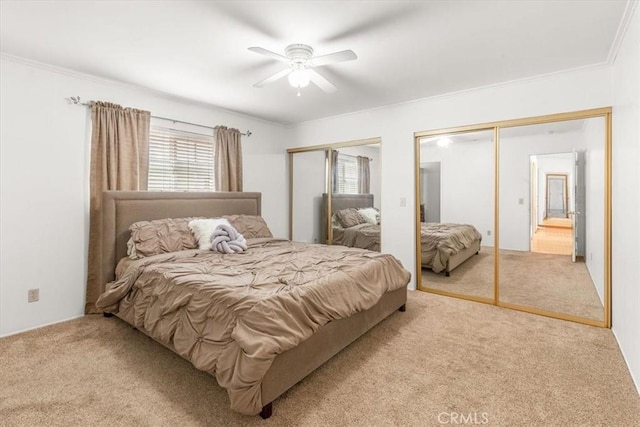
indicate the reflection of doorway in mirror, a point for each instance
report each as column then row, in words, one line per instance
column 430, row 192
column 552, row 199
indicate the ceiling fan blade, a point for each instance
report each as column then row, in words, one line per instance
column 321, row 82
column 332, row 58
column 265, row 52
column 276, row 76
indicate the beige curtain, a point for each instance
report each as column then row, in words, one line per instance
column 119, row 161
column 334, row 170
column 364, row 176
column 228, row 166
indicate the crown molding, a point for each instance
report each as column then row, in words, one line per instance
column 505, row 83
column 627, row 16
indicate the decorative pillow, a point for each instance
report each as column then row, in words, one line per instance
column 350, row 217
column 334, row 222
column 372, row 215
column 160, row 236
column 203, row 229
column 250, row 226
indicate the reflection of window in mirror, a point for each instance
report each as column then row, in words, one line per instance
column 354, row 212
column 347, row 176
column 352, row 173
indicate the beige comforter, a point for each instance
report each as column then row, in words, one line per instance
column 231, row 314
column 441, row 241
column 365, row 236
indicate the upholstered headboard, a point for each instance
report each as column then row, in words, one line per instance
column 120, row 209
column 341, row 201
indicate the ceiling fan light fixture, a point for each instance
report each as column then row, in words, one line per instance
column 444, row 141
column 299, row 78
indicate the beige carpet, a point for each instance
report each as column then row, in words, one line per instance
column 548, row 282
column 442, row 356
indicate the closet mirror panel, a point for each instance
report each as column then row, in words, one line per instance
column 308, row 183
column 347, row 215
column 552, row 217
column 456, row 214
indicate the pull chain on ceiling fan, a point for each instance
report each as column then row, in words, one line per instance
column 301, row 61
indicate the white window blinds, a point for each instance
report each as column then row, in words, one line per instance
column 347, row 174
column 180, row 160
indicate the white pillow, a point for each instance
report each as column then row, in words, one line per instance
column 370, row 214
column 203, row 229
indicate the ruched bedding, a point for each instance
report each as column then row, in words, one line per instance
column 232, row 314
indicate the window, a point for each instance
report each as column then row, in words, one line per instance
column 180, row 160
column 347, row 174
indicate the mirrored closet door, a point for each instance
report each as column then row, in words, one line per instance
column 349, row 214
column 552, row 217
column 456, row 210
column 309, row 172
column 537, row 190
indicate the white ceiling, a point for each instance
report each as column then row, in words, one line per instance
column 406, row 49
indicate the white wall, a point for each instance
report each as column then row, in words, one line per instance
column 466, row 183
column 44, row 181
column 396, row 124
column 626, row 197
column 594, row 134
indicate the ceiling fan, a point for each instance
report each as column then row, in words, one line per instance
column 301, row 62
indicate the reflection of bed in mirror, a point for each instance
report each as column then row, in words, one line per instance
column 445, row 246
column 365, row 235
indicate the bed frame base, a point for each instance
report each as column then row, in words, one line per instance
column 287, row 369
column 457, row 259
column 267, row 411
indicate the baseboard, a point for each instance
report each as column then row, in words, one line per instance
column 40, row 326
column 624, row 356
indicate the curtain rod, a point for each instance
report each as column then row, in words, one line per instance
column 76, row 101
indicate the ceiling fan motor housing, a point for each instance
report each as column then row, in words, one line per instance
column 299, row 54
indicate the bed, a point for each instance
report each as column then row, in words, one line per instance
column 162, row 295
column 364, row 235
column 444, row 246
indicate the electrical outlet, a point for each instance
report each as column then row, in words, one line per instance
column 403, row 202
column 33, row 295
column 488, row 232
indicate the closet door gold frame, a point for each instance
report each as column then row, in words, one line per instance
column 496, row 126
column 328, row 176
